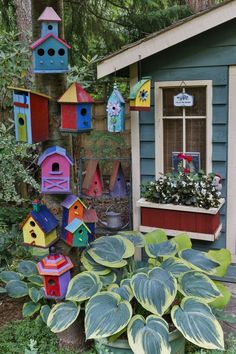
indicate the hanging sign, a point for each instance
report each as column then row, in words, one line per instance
column 183, row 99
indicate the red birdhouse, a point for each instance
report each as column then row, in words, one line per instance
column 92, row 184
column 55, row 270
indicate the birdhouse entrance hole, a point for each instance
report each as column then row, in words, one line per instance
column 51, row 52
column 83, row 112
column 21, row 121
column 50, row 27
column 55, row 167
column 61, row 51
column 76, row 207
column 32, row 223
column 40, row 52
column 33, row 235
column 80, row 232
column 51, row 282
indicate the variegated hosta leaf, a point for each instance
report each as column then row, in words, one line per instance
column 44, row 313
column 135, row 237
column 156, row 236
column 183, row 241
column 8, row 275
column 108, row 279
column 223, row 257
column 196, row 322
column 83, row 286
column 167, row 248
column 62, row 316
column 17, row 288
column 198, row 285
column 200, row 261
column 30, row 308
column 106, row 314
column 175, row 266
column 110, row 251
column 155, row 291
column 221, row 301
column 150, row 336
column 90, row 264
column 36, row 294
column 124, row 291
column 27, row 268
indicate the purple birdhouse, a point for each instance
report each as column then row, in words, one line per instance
column 117, row 181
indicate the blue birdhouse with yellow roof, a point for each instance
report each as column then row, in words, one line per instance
column 116, row 112
column 50, row 53
column 140, row 99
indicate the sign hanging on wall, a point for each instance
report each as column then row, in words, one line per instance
column 194, row 165
column 183, row 99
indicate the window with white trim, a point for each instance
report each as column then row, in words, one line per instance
column 183, row 129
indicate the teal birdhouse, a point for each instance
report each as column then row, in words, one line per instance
column 116, row 112
column 50, row 53
column 77, row 233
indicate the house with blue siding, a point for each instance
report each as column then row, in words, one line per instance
column 196, row 55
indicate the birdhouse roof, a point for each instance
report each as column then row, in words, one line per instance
column 70, row 200
column 49, row 14
column 44, row 218
column 75, row 94
column 30, row 91
column 55, row 150
column 90, row 216
column 44, row 38
column 116, row 93
column 137, row 87
column 75, row 224
column 90, row 171
column 56, row 264
column 115, row 170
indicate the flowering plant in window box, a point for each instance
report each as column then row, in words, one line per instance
column 183, row 201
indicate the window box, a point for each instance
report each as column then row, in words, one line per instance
column 199, row 223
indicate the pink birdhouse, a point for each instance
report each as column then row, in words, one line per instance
column 92, row 184
column 55, row 170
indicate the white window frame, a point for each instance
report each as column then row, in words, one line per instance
column 159, row 147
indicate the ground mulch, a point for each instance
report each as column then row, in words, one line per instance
column 10, row 309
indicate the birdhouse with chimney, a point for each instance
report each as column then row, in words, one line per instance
column 55, row 166
column 140, row 99
column 117, row 181
column 39, row 227
column 76, row 110
column 30, row 115
column 50, row 53
column 92, row 183
column 73, row 207
column 55, row 270
column 77, row 233
column 116, row 112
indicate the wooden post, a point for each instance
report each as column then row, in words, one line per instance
column 199, row 5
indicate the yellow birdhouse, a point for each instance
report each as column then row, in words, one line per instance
column 140, row 99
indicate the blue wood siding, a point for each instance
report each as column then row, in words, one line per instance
column 205, row 57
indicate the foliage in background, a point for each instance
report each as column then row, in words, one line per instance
column 16, row 166
column 7, row 15
column 9, row 215
column 105, row 144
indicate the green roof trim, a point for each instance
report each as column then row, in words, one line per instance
column 137, row 87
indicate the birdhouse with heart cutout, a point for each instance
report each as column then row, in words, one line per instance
column 116, row 112
column 30, row 115
column 92, row 183
column 77, row 233
column 140, row 99
column 76, row 110
column 117, row 181
column 55, row 166
column 55, row 270
column 50, row 53
column 39, row 227
column 73, row 207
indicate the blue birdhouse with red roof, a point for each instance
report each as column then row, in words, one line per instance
column 50, row 53
column 76, row 109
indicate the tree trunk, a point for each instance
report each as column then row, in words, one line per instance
column 23, row 19
column 199, row 5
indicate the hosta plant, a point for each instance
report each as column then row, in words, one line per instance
column 172, row 290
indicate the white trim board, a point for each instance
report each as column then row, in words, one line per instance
column 167, row 38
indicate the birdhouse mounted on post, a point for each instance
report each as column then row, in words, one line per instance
column 76, row 110
column 30, row 115
column 55, row 270
column 116, row 112
column 73, row 207
column 50, row 53
column 55, row 170
column 140, row 99
column 92, row 184
column 117, row 181
column 39, row 227
column 77, row 233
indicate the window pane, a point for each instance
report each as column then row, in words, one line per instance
column 196, row 138
column 173, row 140
column 168, row 102
column 199, row 106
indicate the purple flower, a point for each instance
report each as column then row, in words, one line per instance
column 113, row 108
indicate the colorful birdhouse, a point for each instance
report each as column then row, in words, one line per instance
column 140, row 99
column 77, row 233
column 92, row 184
column 30, row 115
column 116, row 112
column 39, row 227
column 117, row 181
column 55, row 270
column 90, row 219
column 55, row 170
column 76, row 109
column 73, row 207
column 50, row 53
